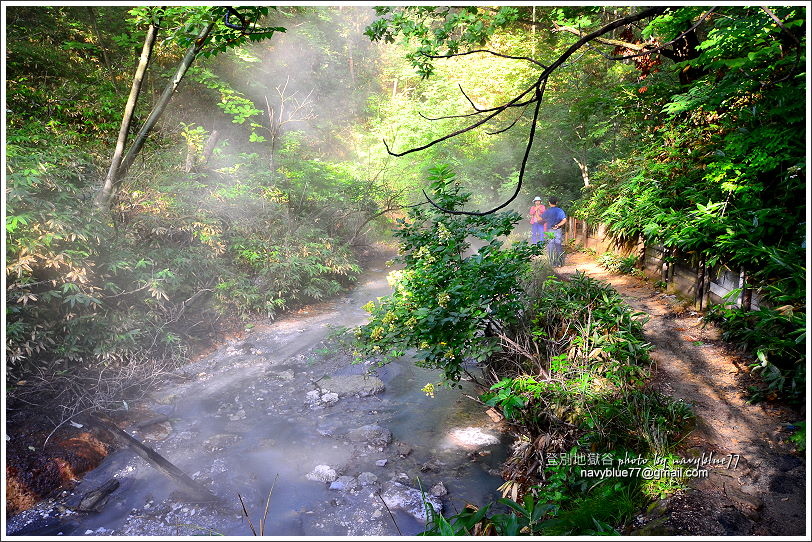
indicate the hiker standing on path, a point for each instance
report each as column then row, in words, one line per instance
column 554, row 219
column 536, row 224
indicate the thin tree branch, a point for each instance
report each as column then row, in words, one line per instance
column 780, row 23
column 462, row 130
column 534, row 61
column 539, row 97
column 509, row 125
column 660, row 48
column 470, row 101
column 654, row 11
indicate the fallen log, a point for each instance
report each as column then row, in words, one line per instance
column 194, row 489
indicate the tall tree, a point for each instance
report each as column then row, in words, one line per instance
column 215, row 33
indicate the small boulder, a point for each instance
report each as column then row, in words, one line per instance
column 329, row 398
column 367, row 478
column 408, row 499
column 322, row 473
column 438, row 490
column 344, row 483
column 359, row 385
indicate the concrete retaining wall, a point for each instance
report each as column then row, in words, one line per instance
column 683, row 273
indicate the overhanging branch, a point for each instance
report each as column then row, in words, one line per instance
column 539, row 87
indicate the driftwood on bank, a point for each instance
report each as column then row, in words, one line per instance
column 192, row 488
column 94, row 500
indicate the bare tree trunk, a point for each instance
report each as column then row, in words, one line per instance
column 103, row 196
column 214, row 137
column 351, row 61
column 191, row 155
column 163, row 101
column 584, row 170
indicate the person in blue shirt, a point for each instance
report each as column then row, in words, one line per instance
column 554, row 219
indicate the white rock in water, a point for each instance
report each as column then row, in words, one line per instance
column 408, row 499
column 329, row 398
column 473, row 437
column 313, row 396
column 381, row 462
column 322, row 473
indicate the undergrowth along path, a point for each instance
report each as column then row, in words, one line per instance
column 766, row 493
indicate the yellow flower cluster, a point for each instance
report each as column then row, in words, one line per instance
column 376, row 334
column 424, row 254
column 442, row 232
column 443, row 299
column 428, row 389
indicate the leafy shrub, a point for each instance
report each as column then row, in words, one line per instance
column 799, row 436
column 581, row 388
column 447, row 304
column 777, row 338
column 618, row 264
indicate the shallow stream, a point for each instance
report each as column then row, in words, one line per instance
column 348, row 458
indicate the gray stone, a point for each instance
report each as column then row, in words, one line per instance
column 322, row 473
column 313, row 396
column 360, row 385
column 438, row 490
column 344, row 483
column 284, row 376
column 371, row 434
column 367, row 478
column 381, row 463
column 408, row 499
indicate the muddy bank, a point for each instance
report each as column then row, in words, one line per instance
column 342, row 445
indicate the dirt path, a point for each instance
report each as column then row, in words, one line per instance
column 766, row 493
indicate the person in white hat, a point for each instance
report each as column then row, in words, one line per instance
column 537, row 227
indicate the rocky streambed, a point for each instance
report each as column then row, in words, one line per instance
column 342, row 449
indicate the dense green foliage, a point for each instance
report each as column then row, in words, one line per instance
column 699, row 146
column 447, row 302
column 719, row 174
column 192, row 241
column 583, row 392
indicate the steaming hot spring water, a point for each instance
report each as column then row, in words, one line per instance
column 343, row 453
